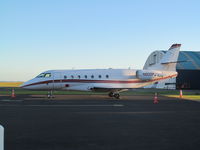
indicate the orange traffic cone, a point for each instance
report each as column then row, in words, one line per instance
column 13, row 93
column 181, row 94
column 155, row 100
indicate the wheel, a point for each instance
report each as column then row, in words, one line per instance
column 111, row 94
column 117, row 96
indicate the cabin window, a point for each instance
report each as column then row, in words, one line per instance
column 72, row 76
column 107, row 76
column 99, row 76
column 86, row 76
column 65, row 77
column 92, row 76
column 79, row 76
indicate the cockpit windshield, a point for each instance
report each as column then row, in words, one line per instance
column 44, row 75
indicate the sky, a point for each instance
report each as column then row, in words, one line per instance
column 40, row 35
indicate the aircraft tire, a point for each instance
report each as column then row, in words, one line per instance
column 117, row 96
column 111, row 94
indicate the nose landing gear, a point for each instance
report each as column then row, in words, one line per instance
column 50, row 94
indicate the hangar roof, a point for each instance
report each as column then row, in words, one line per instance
column 192, row 58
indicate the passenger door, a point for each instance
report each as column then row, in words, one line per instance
column 57, row 80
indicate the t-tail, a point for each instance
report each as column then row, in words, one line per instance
column 169, row 59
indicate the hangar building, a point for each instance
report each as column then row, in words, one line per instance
column 188, row 71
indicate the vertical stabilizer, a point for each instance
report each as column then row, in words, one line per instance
column 169, row 59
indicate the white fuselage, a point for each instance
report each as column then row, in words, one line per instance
column 95, row 79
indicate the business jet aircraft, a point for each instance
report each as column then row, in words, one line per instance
column 112, row 81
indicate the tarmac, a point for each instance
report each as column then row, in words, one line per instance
column 96, row 122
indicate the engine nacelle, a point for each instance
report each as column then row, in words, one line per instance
column 146, row 75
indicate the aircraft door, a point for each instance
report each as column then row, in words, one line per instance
column 57, row 80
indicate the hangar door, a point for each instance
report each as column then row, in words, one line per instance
column 188, row 79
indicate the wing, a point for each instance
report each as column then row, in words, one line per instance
column 101, row 88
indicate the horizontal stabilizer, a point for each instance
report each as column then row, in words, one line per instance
column 175, row 46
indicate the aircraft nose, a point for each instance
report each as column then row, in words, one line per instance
column 28, row 84
column 23, row 85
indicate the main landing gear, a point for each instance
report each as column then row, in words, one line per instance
column 115, row 95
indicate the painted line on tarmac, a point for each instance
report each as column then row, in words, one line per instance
column 139, row 112
column 114, row 105
column 9, row 100
column 132, row 112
